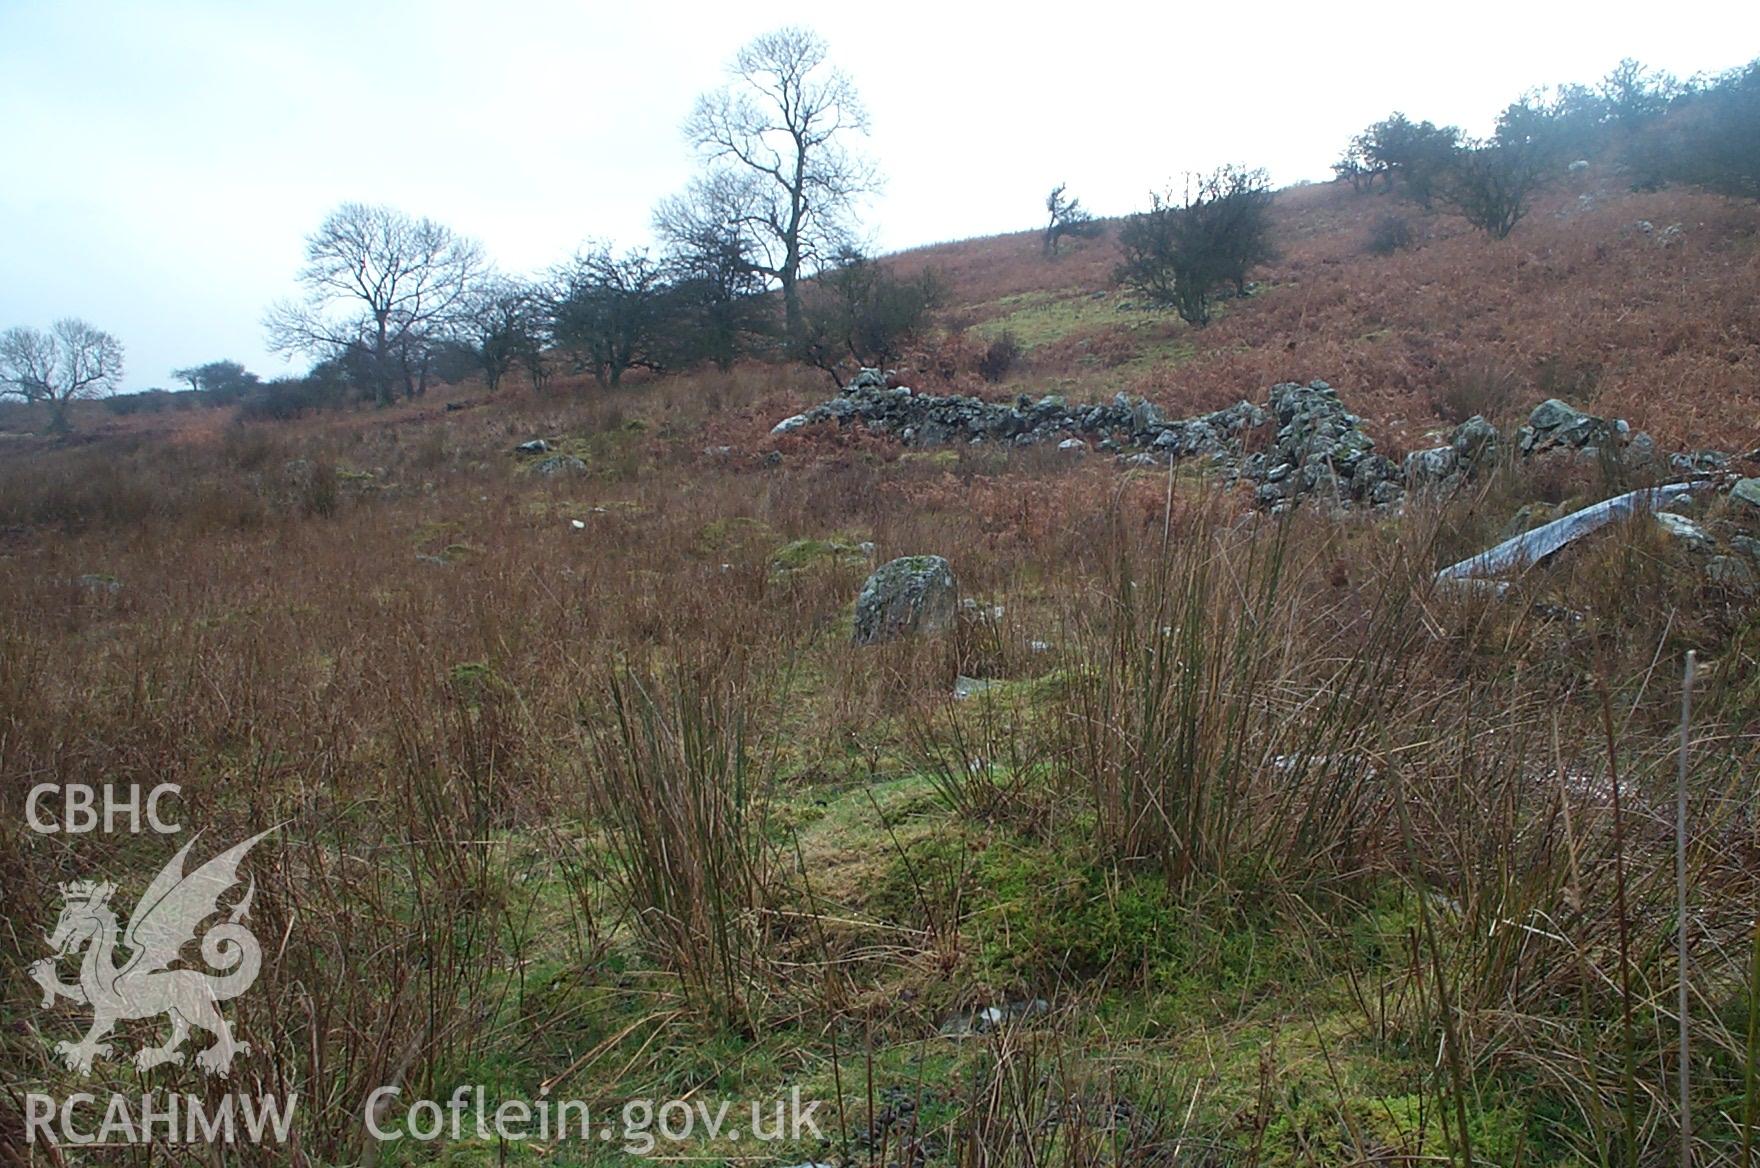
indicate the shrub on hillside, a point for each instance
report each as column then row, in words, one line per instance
column 1180, row 254
column 999, row 358
column 1492, row 184
column 1389, row 234
column 858, row 313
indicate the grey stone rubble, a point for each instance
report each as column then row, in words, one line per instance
column 560, row 464
column 913, row 595
column 1319, row 447
column 1472, row 444
column 1318, row 443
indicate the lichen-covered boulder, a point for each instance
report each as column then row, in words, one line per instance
column 913, row 596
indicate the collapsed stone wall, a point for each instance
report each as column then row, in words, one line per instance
column 1318, row 444
column 1318, row 447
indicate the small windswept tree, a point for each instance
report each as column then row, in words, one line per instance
column 70, row 362
column 1180, row 253
column 221, row 380
column 1067, row 217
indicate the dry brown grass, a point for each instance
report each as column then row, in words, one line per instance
column 377, row 629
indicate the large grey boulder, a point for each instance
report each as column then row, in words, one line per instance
column 912, row 596
column 1747, row 491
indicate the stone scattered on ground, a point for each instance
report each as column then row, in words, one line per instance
column 987, row 1019
column 911, row 596
column 1685, row 531
column 1747, row 492
column 535, row 446
column 98, row 582
column 970, row 687
column 560, row 464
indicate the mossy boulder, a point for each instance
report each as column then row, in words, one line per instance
column 912, row 596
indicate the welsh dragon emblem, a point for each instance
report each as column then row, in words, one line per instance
column 162, row 923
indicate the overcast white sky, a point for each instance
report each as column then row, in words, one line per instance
column 162, row 160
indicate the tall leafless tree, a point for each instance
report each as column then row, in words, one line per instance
column 381, row 285
column 779, row 128
column 70, row 362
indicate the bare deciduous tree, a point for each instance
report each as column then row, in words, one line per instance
column 380, row 284
column 613, row 313
column 506, row 324
column 779, row 129
column 712, row 260
column 70, row 362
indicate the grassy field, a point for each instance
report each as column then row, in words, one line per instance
column 1260, row 849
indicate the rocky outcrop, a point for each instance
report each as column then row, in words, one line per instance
column 905, row 597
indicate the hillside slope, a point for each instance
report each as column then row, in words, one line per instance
column 1641, row 305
